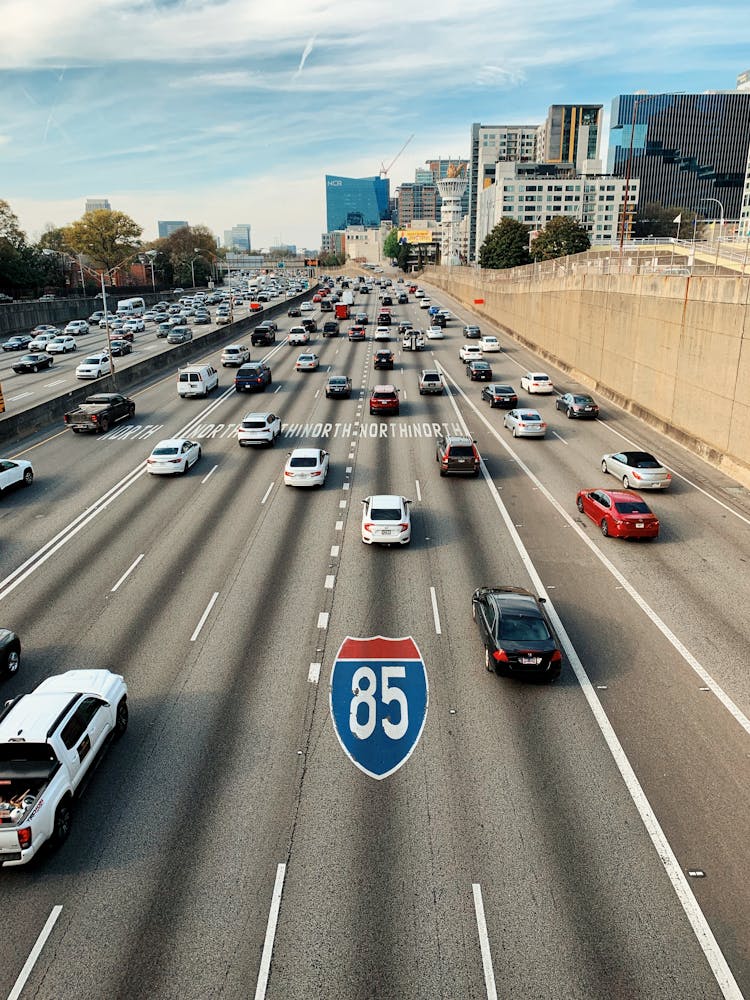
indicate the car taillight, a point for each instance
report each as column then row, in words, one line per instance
column 24, row 837
column 636, row 475
column 556, row 657
column 94, row 418
column 369, row 526
column 317, row 472
column 500, row 656
column 403, row 527
column 175, row 461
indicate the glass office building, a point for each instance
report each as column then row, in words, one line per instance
column 685, row 148
column 356, row 201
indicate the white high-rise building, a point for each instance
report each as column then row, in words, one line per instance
column 95, row 204
column 238, row 237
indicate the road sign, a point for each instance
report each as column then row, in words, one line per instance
column 378, row 697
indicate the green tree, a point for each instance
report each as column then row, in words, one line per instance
column 107, row 238
column 654, row 219
column 179, row 256
column 390, row 244
column 560, row 237
column 506, row 246
column 53, row 238
column 402, row 256
column 331, row 260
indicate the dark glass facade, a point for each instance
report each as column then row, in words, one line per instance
column 685, row 147
column 356, row 201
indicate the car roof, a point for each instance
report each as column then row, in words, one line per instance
column 513, row 599
column 385, row 498
column 638, row 456
column 305, row 453
column 619, row 494
column 537, row 374
column 384, row 388
column 500, row 387
column 170, row 442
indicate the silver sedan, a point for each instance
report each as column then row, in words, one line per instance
column 525, row 423
column 637, row 469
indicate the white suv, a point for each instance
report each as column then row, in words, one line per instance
column 470, row 352
column 258, row 428
column 235, row 354
column 94, row 366
column 77, row 326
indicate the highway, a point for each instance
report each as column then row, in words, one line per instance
column 585, row 839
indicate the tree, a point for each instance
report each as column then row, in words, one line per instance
column 179, row 258
column 402, row 256
column 107, row 238
column 506, row 246
column 561, row 237
column 53, row 238
column 331, row 260
column 654, row 219
column 390, row 244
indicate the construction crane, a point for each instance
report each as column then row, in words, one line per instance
column 383, row 169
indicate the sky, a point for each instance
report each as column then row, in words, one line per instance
column 222, row 112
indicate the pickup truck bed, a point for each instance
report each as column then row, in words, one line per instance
column 98, row 413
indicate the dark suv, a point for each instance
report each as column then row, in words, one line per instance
column 262, row 335
column 384, row 400
column 252, row 377
column 330, row 328
column 383, row 359
column 457, row 454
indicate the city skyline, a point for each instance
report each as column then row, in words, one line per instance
column 171, row 115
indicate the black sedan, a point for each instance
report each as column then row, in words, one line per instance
column 479, row 371
column 121, row 347
column 293, row 311
column 19, row 343
column 577, row 404
column 33, row 363
column 516, row 631
column 502, row 396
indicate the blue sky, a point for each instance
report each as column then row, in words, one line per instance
column 232, row 111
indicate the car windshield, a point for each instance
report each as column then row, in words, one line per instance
column 164, row 451
column 529, row 416
column 254, row 425
column 385, row 513
column 461, row 451
column 523, row 628
column 337, row 381
column 91, row 361
column 631, row 507
column 582, row 399
column 303, row 462
column 383, row 395
column 504, row 389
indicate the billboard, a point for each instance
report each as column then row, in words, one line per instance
column 417, row 235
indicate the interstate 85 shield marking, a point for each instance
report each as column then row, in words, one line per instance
column 379, row 696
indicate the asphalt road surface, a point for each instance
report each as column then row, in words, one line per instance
column 586, row 839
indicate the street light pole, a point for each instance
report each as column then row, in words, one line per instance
column 721, row 215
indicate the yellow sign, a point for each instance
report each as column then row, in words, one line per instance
column 416, row 235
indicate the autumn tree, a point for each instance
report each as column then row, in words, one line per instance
column 107, row 238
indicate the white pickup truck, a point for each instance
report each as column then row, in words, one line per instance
column 49, row 741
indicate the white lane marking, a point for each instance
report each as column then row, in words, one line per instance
column 209, row 474
column 265, row 495
column 342, row 504
column 273, row 919
column 645, row 607
column 127, row 573
column 339, row 527
column 435, row 613
column 317, row 393
column 204, row 616
column 559, row 438
column 35, row 953
column 484, row 943
column 419, row 492
column 703, row 933
column 348, row 469
column 21, row 395
column 330, row 580
column 334, row 552
column 323, row 619
column 313, row 673
column 277, row 388
column 347, row 486
column 58, row 381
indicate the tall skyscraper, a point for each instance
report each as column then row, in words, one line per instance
column 238, row 237
column 417, row 201
column 688, row 150
column 356, row 201
column 490, row 143
column 571, row 134
column 167, row 228
column 94, row 204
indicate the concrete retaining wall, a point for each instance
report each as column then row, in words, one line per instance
column 39, row 417
column 22, row 317
column 673, row 350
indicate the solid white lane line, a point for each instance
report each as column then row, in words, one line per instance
column 559, row 438
column 703, row 933
column 313, row 673
column 204, row 616
column 435, row 614
column 21, row 395
column 209, row 474
column 419, row 492
column 35, row 953
column 323, row 619
column 127, row 573
column 334, row 551
column 273, row 919
column 265, row 495
column 330, row 580
column 484, row 943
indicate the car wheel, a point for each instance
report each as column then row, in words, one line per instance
column 569, row 413
column 121, row 717
column 579, row 504
column 514, row 432
column 104, row 426
column 28, row 477
column 63, row 821
column 35, row 368
column 626, row 482
column 12, row 660
column 488, row 665
column 605, row 470
column 184, row 469
column 131, row 411
column 604, row 527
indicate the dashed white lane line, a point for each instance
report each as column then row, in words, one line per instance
column 435, row 613
column 348, row 470
column 265, row 495
column 339, row 527
column 58, row 381
column 342, row 504
column 277, row 389
column 419, row 492
column 335, row 550
column 204, row 616
column 323, row 619
column 273, row 919
column 559, row 438
column 347, row 486
column 21, row 395
column 35, row 953
column 330, row 581
column 313, row 674
column 127, row 573
column 209, row 474
column 484, row 943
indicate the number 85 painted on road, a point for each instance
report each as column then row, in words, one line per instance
column 379, row 696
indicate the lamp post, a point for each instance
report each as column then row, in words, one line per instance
column 721, row 215
column 150, row 254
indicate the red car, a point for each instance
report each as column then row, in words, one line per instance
column 384, row 399
column 619, row 513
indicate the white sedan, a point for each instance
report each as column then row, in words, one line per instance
column 425, row 304
column 489, row 343
column 61, row 344
column 537, row 382
column 435, row 333
column 307, row 362
column 386, row 520
column 14, row 472
column 173, row 456
column 307, row 307
column 382, row 333
column 77, row 326
column 306, row 467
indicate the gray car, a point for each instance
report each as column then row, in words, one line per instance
column 430, row 382
column 638, row 470
column 525, row 423
column 179, row 335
